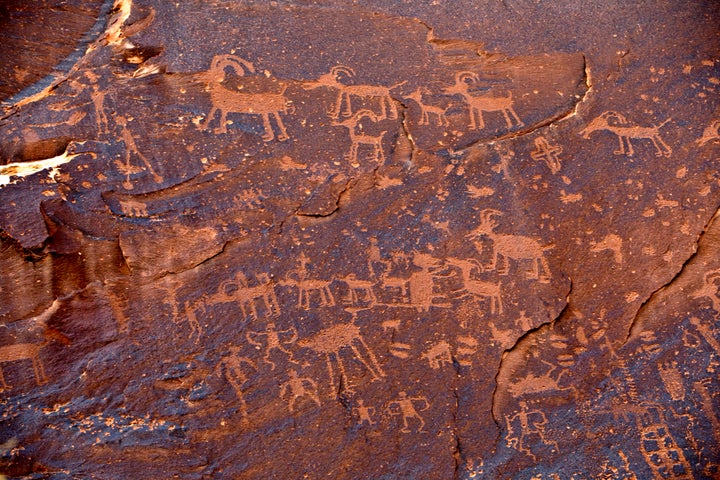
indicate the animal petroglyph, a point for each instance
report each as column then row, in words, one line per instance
column 358, row 137
column 404, row 406
column 343, row 103
column 709, row 289
column 239, row 291
column 514, row 247
column 545, row 152
column 297, row 388
column 24, row 351
column 482, row 103
column 274, row 340
column 421, row 285
column 359, row 290
column 707, row 333
column 711, row 133
column 307, row 286
column 231, row 368
column 428, row 111
column 226, row 101
column 611, row 242
column 478, row 288
column 533, row 384
column 331, row 341
column 438, row 355
column 523, row 426
column 441, row 353
column 617, row 123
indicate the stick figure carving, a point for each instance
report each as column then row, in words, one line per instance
column 482, row 103
column 274, row 340
column 547, row 153
column 364, row 413
column 297, row 388
column 332, row 340
column 405, row 406
column 514, row 247
column 530, row 423
column 231, row 367
column 226, row 101
column 617, row 123
column 131, row 148
column 388, row 109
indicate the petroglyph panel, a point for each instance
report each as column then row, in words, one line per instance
column 274, row 240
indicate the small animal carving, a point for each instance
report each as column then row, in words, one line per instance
column 358, row 137
column 428, row 111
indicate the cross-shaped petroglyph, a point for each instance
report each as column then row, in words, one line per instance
column 545, row 152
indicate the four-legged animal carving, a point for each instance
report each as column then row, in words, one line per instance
column 24, row 351
column 359, row 137
column 388, row 109
column 516, row 247
column 359, row 289
column 482, row 103
column 426, row 111
column 227, row 101
column 478, row 288
column 238, row 290
column 617, row 123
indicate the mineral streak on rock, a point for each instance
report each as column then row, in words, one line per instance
column 250, row 240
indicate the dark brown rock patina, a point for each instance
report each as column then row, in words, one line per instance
column 274, row 240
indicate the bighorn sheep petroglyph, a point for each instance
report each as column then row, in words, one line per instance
column 617, row 123
column 227, row 101
column 482, row 103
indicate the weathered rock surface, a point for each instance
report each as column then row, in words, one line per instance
column 282, row 240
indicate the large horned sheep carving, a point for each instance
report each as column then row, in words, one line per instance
column 227, row 101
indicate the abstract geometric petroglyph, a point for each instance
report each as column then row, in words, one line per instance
column 418, row 240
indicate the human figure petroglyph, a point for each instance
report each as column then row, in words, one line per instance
column 421, row 284
column 239, row 291
column 711, row 133
column 672, row 380
column 358, row 137
column 98, row 98
column 530, row 423
column 274, row 340
column 190, row 309
column 364, row 413
column 438, row 355
column 226, row 101
column 359, row 290
column 709, row 289
column 545, row 152
column 297, row 388
column 306, row 285
column 514, row 247
column 533, row 384
column 230, row 366
column 478, row 104
column 388, row 109
column 478, row 288
column 617, row 123
column 131, row 148
column 405, row 406
column 331, row 341
column 611, row 242
column 428, row 111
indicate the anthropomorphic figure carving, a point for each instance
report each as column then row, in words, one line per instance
column 297, row 388
column 274, row 340
column 405, row 406
column 525, row 425
column 231, row 368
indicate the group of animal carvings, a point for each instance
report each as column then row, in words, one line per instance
column 377, row 103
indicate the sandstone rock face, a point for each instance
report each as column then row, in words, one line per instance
column 423, row 241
